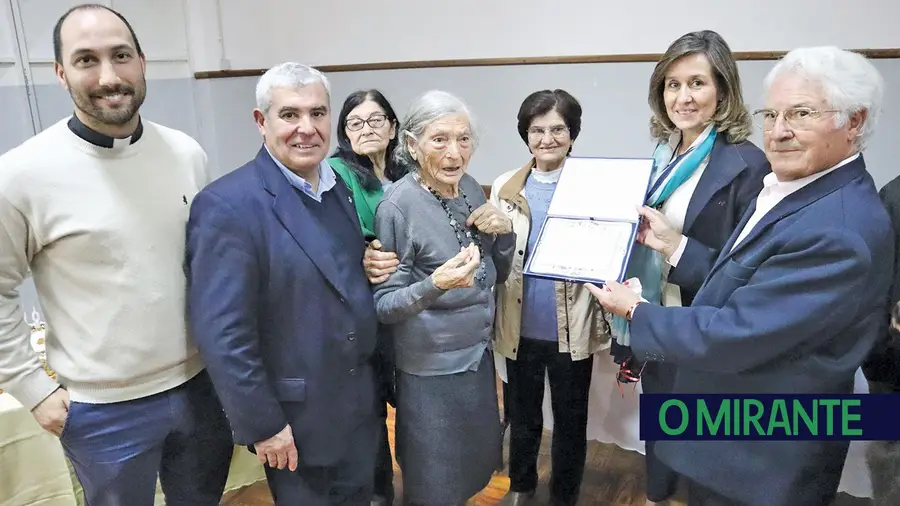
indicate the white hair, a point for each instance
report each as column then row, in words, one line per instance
column 287, row 75
column 850, row 82
column 424, row 111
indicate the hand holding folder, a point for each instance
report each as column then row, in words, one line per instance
column 592, row 220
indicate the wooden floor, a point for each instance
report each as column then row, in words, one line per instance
column 612, row 477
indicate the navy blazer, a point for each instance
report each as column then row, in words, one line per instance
column 284, row 338
column 883, row 363
column 794, row 308
column 732, row 179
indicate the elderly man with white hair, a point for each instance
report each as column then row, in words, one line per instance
column 797, row 297
column 279, row 304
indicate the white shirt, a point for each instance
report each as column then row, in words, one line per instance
column 548, row 177
column 675, row 210
column 774, row 191
column 327, row 178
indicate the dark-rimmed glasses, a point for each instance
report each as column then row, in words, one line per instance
column 374, row 121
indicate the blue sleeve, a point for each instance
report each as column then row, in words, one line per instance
column 698, row 258
column 794, row 297
column 223, row 289
column 693, row 267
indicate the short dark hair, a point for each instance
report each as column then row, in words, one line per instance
column 731, row 117
column 360, row 164
column 57, row 29
column 544, row 101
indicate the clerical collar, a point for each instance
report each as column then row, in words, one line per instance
column 102, row 140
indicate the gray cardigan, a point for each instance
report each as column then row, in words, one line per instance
column 435, row 332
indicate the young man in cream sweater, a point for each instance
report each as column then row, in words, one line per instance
column 96, row 206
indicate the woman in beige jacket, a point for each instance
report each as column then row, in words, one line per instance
column 544, row 326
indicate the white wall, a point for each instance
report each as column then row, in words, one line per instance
column 181, row 36
column 31, row 98
column 10, row 72
column 160, row 25
column 260, row 33
column 16, row 125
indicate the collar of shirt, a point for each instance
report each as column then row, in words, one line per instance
column 549, row 177
column 102, row 140
column 675, row 139
column 327, row 179
column 775, row 189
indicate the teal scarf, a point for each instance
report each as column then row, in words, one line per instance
column 646, row 264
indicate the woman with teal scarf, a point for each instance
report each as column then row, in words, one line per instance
column 366, row 135
column 706, row 175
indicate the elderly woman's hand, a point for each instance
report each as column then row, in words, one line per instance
column 488, row 219
column 379, row 265
column 459, row 271
column 657, row 233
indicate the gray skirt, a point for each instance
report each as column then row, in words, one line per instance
column 448, row 434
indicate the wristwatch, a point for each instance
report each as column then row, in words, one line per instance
column 630, row 312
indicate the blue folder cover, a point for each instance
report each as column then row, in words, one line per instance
column 610, row 186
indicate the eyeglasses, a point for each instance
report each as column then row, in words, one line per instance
column 557, row 131
column 374, row 121
column 797, row 118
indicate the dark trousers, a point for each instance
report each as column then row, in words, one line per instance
column 384, row 465
column 884, row 465
column 383, row 363
column 883, row 458
column 698, row 495
column 570, row 383
column 181, row 436
column 662, row 481
column 347, row 483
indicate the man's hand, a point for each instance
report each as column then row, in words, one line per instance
column 378, row 264
column 488, row 219
column 614, row 297
column 657, row 233
column 895, row 317
column 51, row 413
column 279, row 450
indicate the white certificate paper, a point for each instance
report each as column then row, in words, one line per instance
column 592, row 220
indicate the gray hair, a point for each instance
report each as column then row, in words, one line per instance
column 424, row 111
column 287, row 75
column 851, row 83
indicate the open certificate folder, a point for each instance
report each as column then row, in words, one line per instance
column 592, row 220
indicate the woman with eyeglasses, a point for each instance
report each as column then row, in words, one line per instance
column 367, row 135
column 543, row 326
column 707, row 173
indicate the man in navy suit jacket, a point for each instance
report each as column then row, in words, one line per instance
column 280, row 306
column 796, row 298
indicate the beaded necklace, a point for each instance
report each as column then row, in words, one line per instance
column 481, row 272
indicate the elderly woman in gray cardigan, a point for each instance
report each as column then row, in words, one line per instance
column 453, row 247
